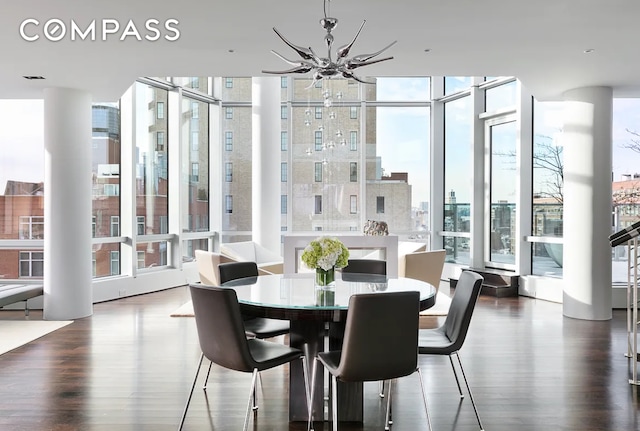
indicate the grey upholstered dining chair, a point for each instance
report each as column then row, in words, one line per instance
column 254, row 327
column 366, row 266
column 380, row 343
column 223, row 341
column 449, row 338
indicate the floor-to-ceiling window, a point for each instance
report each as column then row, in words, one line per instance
column 105, row 163
column 458, row 178
column 194, row 129
column 547, row 193
column 21, row 189
column 625, row 177
column 236, row 149
column 398, row 172
column 152, row 175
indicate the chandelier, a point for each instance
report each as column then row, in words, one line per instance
column 327, row 67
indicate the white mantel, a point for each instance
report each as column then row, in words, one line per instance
column 388, row 245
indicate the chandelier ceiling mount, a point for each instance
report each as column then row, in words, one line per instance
column 327, row 67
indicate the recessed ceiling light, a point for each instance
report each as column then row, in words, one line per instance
column 589, row 51
column 427, row 50
column 231, row 50
column 30, row 77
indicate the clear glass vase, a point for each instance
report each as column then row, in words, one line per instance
column 325, row 287
column 326, row 279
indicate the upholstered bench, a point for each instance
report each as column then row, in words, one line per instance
column 12, row 293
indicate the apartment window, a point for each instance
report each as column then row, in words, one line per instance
column 353, row 204
column 31, row 227
column 283, row 112
column 159, row 141
column 318, row 172
column 283, row 82
column 228, row 82
column 94, row 265
column 318, row 204
column 380, row 204
column 195, row 82
column 228, row 172
column 195, row 110
column 140, row 259
column 284, row 141
column 353, row 140
column 140, row 225
column 228, row 204
column 94, row 227
column 195, row 139
column 283, row 172
column 111, row 190
column 114, row 263
column 164, row 224
column 318, row 140
column 228, row 113
column 283, row 204
column 195, row 172
column 115, row 226
column 318, row 113
column 228, row 141
column 31, row 264
column 353, row 112
column 160, row 110
column 353, row 172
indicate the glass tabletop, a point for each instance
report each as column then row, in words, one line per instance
column 298, row 291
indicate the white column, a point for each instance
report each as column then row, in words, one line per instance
column 587, row 203
column 266, row 162
column 67, row 204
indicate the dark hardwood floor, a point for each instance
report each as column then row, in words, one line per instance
column 130, row 365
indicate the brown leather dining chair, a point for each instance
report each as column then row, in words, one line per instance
column 374, row 349
column 223, row 341
column 254, row 327
column 447, row 339
column 365, row 266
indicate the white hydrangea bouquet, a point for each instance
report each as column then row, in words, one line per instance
column 325, row 254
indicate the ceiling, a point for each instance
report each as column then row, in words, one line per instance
column 540, row 42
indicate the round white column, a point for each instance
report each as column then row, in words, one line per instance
column 587, row 203
column 266, row 162
column 67, row 204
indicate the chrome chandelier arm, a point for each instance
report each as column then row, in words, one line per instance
column 326, row 67
column 365, row 57
column 305, row 53
column 343, row 51
column 351, row 64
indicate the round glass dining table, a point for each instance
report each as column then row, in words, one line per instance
column 310, row 310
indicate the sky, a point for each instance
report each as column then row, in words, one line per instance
column 21, row 141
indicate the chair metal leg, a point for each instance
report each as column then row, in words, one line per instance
column 311, row 391
column 193, row 385
column 305, row 373
column 206, row 380
column 473, row 403
column 455, row 374
column 388, row 420
column 334, row 402
column 254, row 378
column 424, row 398
column 381, row 388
